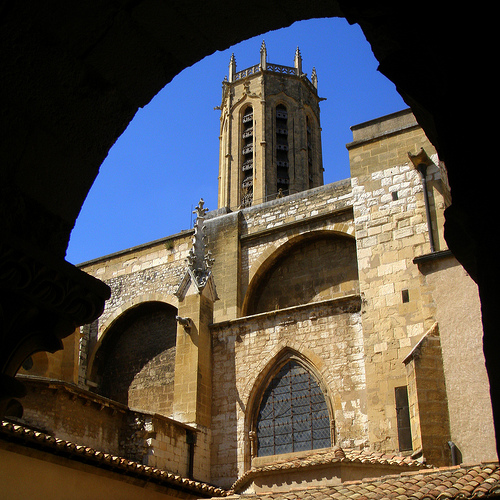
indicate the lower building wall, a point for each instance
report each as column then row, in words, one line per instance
column 327, row 335
column 32, row 474
column 458, row 313
column 74, row 415
column 201, row 458
column 428, row 403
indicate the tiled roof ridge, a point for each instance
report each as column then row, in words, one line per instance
column 330, row 456
column 442, row 483
column 50, row 443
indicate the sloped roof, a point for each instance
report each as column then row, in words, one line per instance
column 464, row 482
column 459, row 482
column 36, row 439
column 333, row 456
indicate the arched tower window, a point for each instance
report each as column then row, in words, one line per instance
column 293, row 415
column 247, row 158
column 309, row 152
column 283, row 179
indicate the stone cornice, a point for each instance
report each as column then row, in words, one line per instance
column 347, row 304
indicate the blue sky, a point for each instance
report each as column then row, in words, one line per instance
column 167, row 158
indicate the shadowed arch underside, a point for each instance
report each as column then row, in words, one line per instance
column 111, row 58
column 305, row 270
column 135, row 362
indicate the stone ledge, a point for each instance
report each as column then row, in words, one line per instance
column 350, row 303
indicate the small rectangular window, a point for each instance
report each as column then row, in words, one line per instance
column 394, row 195
column 405, row 295
column 403, row 418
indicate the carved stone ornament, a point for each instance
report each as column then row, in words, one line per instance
column 199, row 259
column 41, row 302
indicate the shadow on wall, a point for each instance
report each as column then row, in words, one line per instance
column 312, row 270
column 135, row 363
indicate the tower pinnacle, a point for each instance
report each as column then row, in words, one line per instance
column 232, row 68
column 298, row 62
column 263, row 55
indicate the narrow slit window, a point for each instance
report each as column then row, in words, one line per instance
column 403, row 418
column 283, row 179
column 247, row 158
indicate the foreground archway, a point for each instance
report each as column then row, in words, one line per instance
column 74, row 76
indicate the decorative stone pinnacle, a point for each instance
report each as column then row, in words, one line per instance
column 232, row 68
column 199, row 260
column 314, row 78
column 298, row 62
column 263, row 55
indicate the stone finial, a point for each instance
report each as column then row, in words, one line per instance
column 314, row 78
column 263, row 55
column 232, row 68
column 199, row 259
column 297, row 63
column 197, row 253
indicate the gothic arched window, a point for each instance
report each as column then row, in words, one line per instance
column 247, row 158
column 293, row 415
column 309, row 152
column 283, row 179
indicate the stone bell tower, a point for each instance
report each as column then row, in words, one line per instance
column 270, row 135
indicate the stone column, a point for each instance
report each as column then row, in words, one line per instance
column 193, row 358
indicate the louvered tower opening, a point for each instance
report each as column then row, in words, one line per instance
column 283, row 179
column 247, row 158
column 309, row 152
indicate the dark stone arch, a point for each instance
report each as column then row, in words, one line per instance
column 319, row 266
column 135, row 363
column 74, row 74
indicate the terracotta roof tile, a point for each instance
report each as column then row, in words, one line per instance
column 459, row 482
column 331, row 456
column 49, row 444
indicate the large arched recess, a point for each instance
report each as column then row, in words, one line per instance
column 314, row 266
column 75, row 73
column 135, row 361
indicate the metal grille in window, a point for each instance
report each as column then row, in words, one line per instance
column 293, row 415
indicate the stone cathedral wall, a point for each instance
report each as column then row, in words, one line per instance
column 327, row 334
column 391, row 230
column 337, row 275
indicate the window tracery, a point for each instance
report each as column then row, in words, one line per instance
column 293, row 414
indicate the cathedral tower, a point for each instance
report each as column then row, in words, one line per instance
column 270, row 135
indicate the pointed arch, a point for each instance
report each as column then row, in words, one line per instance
column 133, row 363
column 106, row 325
column 343, row 275
column 289, row 408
